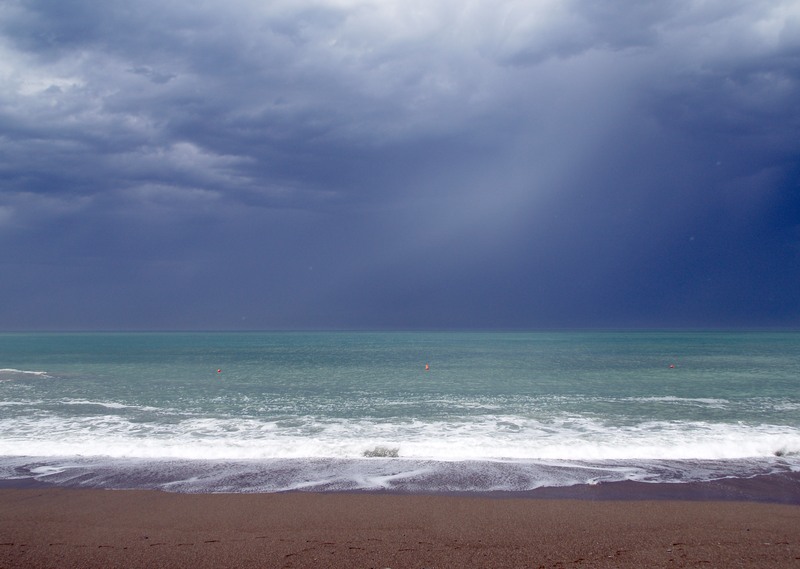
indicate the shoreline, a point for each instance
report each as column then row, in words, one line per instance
column 63, row 527
column 759, row 479
column 783, row 488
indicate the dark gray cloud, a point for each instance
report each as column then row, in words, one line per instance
column 363, row 163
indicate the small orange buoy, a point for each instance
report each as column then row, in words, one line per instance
column 427, row 367
column 219, row 371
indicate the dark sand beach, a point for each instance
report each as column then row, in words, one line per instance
column 65, row 528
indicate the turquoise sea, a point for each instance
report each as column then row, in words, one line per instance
column 266, row 412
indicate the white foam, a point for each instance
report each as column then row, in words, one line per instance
column 12, row 373
column 109, row 404
column 702, row 401
column 47, row 470
column 784, row 406
column 487, row 438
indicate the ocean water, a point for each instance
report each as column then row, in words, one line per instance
column 269, row 412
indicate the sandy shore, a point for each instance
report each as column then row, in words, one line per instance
column 95, row 528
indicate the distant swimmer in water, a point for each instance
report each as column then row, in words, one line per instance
column 427, row 367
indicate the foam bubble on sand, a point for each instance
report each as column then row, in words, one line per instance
column 382, row 452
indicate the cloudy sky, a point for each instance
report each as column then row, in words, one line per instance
column 399, row 164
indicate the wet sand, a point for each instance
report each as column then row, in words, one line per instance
column 65, row 528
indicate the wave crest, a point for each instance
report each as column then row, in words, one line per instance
column 8, row 374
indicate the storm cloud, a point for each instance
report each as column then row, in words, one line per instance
column 387, row 164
